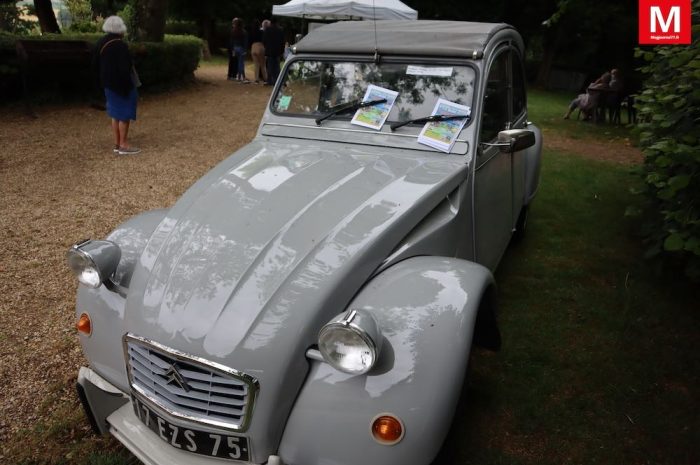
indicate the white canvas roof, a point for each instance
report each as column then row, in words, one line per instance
column 345, row 9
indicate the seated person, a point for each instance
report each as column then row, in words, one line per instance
column 588, row 101
column 613, row 98
column 615, row 80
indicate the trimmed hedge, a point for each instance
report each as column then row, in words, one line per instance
column 669, row 131
column 169, row 61
column 158, row 64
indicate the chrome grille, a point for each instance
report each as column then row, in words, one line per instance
column 189, row 387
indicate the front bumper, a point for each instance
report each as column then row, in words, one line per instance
column 109, row 411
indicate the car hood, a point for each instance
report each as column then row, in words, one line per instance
column 267, row 247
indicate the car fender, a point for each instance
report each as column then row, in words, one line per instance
column 533, row 157
column 103, row 348
column 426, row 308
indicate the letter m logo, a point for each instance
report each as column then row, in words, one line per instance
column 657, row 18
column 663, row 22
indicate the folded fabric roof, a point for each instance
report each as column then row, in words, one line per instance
column 432, row 38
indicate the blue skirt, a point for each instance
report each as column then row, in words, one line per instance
column 119, row 107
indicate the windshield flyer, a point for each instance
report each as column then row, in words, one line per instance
column 442, row 135
column 373, row 116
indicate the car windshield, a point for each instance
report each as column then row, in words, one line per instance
column 314, row 87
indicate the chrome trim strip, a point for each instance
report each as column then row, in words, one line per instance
column 251, row 382
column 360, row 131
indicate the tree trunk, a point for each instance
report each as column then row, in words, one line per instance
column 206, row 28
column 47, row 18
column 551, row 44
column 545, row 66
column 150, row 19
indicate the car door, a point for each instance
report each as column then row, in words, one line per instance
column 518, row 107
column 493, row 179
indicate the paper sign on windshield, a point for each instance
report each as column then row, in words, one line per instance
column 373, row 116
column 442, row 135
column 428, row 71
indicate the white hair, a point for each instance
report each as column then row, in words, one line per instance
column 114, row 25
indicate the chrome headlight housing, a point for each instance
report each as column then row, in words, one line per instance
column 351, row 342
column 93, row 262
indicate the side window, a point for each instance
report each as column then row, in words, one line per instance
column 519, row 99
column 495, row 114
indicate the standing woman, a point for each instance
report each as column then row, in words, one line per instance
column 117, row 77
column 257, row 49
column 232, row 59
column 239, row 43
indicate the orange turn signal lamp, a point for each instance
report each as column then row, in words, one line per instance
column 84, row 325
column 387, row 429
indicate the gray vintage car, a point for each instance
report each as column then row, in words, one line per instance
column 314, row 298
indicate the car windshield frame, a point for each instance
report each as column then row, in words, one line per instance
column 466, row 70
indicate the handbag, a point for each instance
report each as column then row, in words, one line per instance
column 135, row 77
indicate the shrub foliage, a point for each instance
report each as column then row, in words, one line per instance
column 173, row 59
column 669, row 132
column 158, row 63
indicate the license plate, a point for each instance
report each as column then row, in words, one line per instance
column 198, row 442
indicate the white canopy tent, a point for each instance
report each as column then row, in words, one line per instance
column 345, row 9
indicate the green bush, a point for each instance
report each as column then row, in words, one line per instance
column 669, row 132
column 9, row 67
column 163, row 62
column 78, row 27
column 158, row 64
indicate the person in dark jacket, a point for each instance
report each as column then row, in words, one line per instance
column 239, row 45
column 117, row 76
column 273, row 40
column 232, row 58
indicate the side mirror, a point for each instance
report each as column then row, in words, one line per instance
column 515, row 140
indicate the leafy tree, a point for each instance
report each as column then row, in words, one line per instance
column 81, row 14
column 207, row 13
column 80, row 10
column 10, row 20
column 458, row 10
column 669, row 131
column 589, row 35
column 145, row 19
column 583, row 35
column 105, row 8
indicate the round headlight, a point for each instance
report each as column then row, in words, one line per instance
column 84, row 268
column 93, row 261
column 351, row 342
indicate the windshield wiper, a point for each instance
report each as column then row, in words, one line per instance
column 427, row 119
column 350, row 106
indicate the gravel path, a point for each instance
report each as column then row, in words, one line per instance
column 59, row 183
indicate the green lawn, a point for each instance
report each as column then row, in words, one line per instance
column 547, row 110
column 599, row 363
